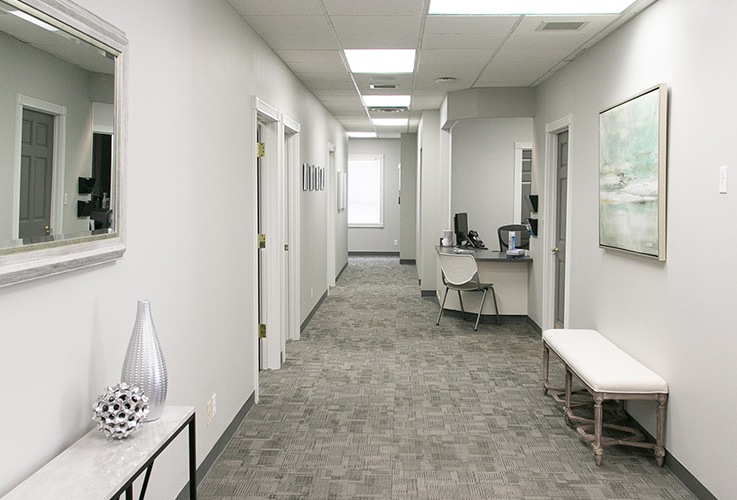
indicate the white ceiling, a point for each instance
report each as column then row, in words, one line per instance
column 493, row 51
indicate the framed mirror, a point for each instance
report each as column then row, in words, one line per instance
column 62, row 139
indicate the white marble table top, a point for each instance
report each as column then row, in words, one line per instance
column 96, row 467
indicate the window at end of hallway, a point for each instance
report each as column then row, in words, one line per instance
column 366, row 191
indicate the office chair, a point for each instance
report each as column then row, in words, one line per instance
column 461, row 273
column 522, row 240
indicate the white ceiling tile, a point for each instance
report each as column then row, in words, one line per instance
column 338, row 95
column 316, row 86
column 379, row 26
column 516, row 74
column 462, row 41
column 455, row 63
column 394, row 40
column 343, row 77
column 495, row 25
column 290, row 25
column 318, row 67
column 280, row 8
column 310, row 56
column 308, row 42
column 372, row 7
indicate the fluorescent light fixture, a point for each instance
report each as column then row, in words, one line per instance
column 386, row 101
column 530, row 7
column 362, row 135
column 34, row 20
column 381, row 60
column 390, row 122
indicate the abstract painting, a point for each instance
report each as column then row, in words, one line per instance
column 632, row 174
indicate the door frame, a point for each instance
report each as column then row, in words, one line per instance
column 549, row 234
column 290, row 133
column 59, row 151
column 518, row 147
column 332, row 202
column 268, row 117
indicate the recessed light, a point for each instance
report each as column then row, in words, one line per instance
column 390, row 122
column 521, row 7
column 362, row 135
column 386, row 101
column 381, row 60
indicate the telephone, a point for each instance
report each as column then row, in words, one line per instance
column 474, row 240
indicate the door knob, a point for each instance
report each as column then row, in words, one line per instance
column 47, row 229
column 555, row 250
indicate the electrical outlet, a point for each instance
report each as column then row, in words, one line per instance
column 208, row 405
column 723, row 174
column 396, row 242
column 214, row 405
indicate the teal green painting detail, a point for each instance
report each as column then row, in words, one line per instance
column 628, row 175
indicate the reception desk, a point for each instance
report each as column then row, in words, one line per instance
column 509, row 276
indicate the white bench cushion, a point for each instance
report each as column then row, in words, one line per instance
column 601, row 365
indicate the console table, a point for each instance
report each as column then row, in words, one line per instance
column 99, row 468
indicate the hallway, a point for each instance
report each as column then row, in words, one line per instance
column 375, row 401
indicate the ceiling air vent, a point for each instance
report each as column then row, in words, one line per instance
column 561, row 26
column 388, row 109
column 383, row 86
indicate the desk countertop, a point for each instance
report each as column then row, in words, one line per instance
column 484, row 254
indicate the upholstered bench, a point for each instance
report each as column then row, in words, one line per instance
column 608, row 373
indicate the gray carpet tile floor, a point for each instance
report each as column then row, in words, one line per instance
column 376, row 401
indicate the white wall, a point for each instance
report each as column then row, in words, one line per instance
column 430, row 189
column 194, row 66
column 482, row 177
column 408, row 206
column 379, row 239
column 674, row 316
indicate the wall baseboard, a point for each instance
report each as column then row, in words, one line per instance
column 314, row 310
column 219, row 447
column 340, row 273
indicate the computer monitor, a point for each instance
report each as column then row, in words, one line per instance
column 461, row 227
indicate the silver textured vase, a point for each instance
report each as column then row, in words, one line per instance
column 144, row 364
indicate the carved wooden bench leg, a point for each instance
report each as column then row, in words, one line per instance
column 546, row 366
column 660, row 430
column 598, row 426
column 567, row 407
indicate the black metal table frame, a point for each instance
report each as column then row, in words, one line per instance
column 148, row 466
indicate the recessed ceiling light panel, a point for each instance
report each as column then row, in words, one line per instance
column 381, row 60
column 386, row 101
column 362, row 135
column 390, row 122
column 526, row 7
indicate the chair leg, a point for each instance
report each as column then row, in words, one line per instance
column 481, row 308
column 442, row 306
column 496, row 307
column 460, row 299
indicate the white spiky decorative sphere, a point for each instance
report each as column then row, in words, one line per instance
column 120, row 411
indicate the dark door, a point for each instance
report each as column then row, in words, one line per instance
column 560, row 229
column 36, row 174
